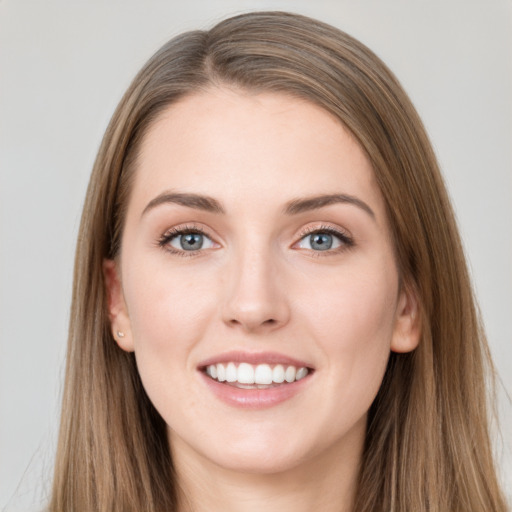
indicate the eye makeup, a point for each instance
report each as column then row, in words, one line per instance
column 324, row 240
column 192, row 240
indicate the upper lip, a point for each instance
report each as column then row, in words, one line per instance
column 237, row 356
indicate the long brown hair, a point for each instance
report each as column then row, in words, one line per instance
column 427, row 444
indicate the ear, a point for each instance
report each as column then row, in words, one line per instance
column 118, row 314
column 407, row 329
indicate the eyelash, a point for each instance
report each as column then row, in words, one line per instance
column 164, row 240
column 346, row 240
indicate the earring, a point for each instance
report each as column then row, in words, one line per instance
column 120, row 334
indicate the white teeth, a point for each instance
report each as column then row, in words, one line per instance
column 278, row 374
column 245, row 374
column 301, row 373
column 289, row 374
column 261, row 375
column 221, row 373
column 231, row 372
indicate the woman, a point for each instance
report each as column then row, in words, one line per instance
column 271, row 304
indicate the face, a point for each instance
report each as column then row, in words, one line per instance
column 257, row 283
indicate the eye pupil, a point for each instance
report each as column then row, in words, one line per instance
column 321, row 241
column 191, row 241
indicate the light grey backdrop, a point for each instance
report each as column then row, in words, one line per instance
column 64, row 65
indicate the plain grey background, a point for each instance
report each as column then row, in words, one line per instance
column 64, row 65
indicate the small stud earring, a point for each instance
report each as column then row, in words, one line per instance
column 120, row 334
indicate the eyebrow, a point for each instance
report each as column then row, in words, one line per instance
column 196, row 201
column 313, row 203
column 294, row 207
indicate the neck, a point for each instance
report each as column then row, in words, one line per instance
column 326, row 482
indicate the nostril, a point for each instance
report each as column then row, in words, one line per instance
column 249, row 322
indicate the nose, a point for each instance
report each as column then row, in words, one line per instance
column 255, row 296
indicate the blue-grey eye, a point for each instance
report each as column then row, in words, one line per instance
column 320, row 241
column 191, row 242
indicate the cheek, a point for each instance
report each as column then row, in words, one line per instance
column 353, row 324
column 362, row 299
column 168, row 310
column 170, row 313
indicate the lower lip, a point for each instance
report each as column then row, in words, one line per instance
column 255, row 398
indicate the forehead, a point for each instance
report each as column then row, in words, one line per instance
column 235, row 144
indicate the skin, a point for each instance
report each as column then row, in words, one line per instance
column 258, row 285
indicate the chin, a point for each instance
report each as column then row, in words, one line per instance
column 259, row 462
column 263, row 453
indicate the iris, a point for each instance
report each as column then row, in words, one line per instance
column 321, row 241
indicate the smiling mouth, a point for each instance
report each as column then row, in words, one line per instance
column 261, row 376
